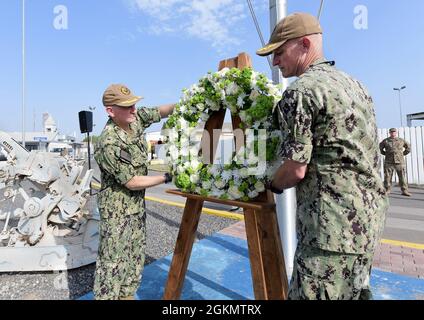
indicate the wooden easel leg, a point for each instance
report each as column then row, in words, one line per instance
column 255, row 255
column 183, row 247
column 276, row 282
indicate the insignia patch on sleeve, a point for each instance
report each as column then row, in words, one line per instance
column 125, row 156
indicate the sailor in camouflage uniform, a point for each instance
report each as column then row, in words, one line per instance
column 121, row 153
column 395, row 149
column 331, row 154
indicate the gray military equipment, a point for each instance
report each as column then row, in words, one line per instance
column 44, row 223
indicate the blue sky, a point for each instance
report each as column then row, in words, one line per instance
column 158, row 48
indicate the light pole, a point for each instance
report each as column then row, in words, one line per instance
column 23, row 73
column 400, row 103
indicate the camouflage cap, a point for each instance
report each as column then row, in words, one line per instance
column 392, row 130
column 293, row 26
column 119, row 95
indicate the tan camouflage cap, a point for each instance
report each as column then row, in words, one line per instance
column 119, row 95
column 392, row 130
column 293, row 26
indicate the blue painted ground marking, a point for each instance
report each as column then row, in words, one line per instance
column 392, row 286
column 219, row 269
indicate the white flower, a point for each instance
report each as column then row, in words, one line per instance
column 180, row 169
column 259, row 171
column 217, row 192
column 194, row 164
column 251, row 159
column 252, row 194
column 215, row 170
column 187, row 165
column 236, row 175
column 204, row 116
column 183, row 108
column 209, row 103
column 214, row 106
column 173, row 152
column 240, row 100
column 184, row 151
column 194, row 151
column 259, row 186
column 207, row 185
column 172, row 135
column 235, row 192
column 220, row 184
column 232, row 89
column 223, row 72
column 244, row 172
column 184, row 124
column 194, row 178
column 223, row 94
column 226, row 175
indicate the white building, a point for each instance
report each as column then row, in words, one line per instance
column 49, row 140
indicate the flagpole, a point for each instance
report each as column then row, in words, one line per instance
column 286, row 202
column 23, row 73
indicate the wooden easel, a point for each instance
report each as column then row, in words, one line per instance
column 263, row 236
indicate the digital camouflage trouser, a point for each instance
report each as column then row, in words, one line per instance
column 389, row 168
column 326, row 275
column 121, row 256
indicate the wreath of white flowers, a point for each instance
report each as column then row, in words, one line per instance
column 251, row 96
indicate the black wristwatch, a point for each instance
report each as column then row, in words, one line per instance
column 275, row 190
column 168, row 177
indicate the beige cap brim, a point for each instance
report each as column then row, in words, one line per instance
column 270, row 48
column 130, row 102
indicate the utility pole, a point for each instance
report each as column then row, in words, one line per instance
column 33, row 119
column 286, row 202
column 23, row 73
column 400, row 103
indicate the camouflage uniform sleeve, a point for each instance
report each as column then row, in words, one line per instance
column 407, row 147
column 382, row 147
column 108, row 158
column 147, row 116
column 296, row 120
